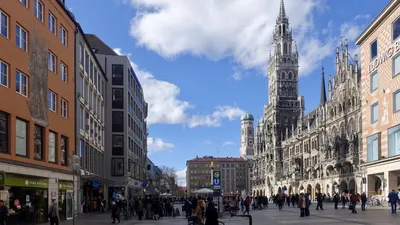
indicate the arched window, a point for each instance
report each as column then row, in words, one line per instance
column 285, row 48
column 283, row 75
column 290, row 75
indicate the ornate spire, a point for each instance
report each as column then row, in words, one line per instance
column 323, row 92
column 282, row 12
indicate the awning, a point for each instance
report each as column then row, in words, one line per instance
column 101, row 180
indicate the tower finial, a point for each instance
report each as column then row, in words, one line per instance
column 323, row 91
column 282, row 12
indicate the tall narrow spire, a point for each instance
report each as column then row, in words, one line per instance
column 323, row 92
column 282, row 12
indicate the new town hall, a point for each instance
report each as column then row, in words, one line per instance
column 316, row 152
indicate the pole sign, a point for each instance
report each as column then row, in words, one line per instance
column 216, row 179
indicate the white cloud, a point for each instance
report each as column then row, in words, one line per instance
column 158, row 145
column 165, row 107
column 181, row 177
column 227, row 143
column 351, row 30
column 215, row 119
column 237, row 76
column 362, row 17
column 207, row 142
column 226, row 28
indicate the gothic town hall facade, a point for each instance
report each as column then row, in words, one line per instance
column 313, row 153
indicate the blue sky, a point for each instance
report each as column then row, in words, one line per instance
column 203, row 63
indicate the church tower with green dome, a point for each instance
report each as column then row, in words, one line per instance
column 247, row 135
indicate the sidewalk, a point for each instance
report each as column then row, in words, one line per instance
column 97, row 219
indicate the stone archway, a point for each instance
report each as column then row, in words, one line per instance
column 335, row 188
column 290, row 190
column 318, row 188
column 352, row 186
column 284, row 190
column 301, row 189
column 310, row 191
column 343, row 186
column 279, row 190
column 258, row 193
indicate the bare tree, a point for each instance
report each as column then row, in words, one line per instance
column 168, row 180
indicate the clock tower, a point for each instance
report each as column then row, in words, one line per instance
column 247, row 135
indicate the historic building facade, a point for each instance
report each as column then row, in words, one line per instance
column 312, row 153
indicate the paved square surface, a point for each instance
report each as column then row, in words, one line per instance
column 272, row 215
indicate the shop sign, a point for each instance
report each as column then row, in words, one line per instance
column 63, row 185
column 392, row 50
column 20, row 181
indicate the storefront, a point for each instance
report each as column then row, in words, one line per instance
column 26, row 198
column 92, row 193
column 65, row 199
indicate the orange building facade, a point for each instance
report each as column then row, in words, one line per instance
column 37, row 123
column 380, row 83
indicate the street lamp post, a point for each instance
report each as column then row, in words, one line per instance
column 75, row 165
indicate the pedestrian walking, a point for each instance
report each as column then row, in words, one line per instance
column 302, row 205
column 53, row 213
column 336, row 200
column 363, row 201
column 319, row 201
column 247, row 205
column 3, row 213
column 393, row 199
column 115, row 212
column 211, row 214
column 353, row 202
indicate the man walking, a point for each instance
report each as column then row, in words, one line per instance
column 393, row 198
column 319, row 201
column 363, row 201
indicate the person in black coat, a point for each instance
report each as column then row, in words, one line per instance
column 211, row 214
column 115, row 212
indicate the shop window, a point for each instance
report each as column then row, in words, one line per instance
column 396, row 101
column 374, row 49
column 394, row 141
column 117, row 166
column 396, row 29
column 38, row 142
column 374, row 112
column 52, row 147
column 373, row 148
column 118, row 145
column 117, row 74
column 64, row 151
column 117, row 121
column 374, row 81
column 117, row 98
column 21, row 137
column 4, row 132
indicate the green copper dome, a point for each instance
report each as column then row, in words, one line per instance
column 247, row 116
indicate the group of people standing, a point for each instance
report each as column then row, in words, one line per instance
column 201, row 211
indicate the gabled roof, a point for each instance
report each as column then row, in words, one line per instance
column 101, row 47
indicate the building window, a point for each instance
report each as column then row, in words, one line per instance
column 373, row 147
column 63, row 36
column 374, row 81
column 38, row 10
column 64, row 108
column 396, row 65
column 52, row 101
column 51, row 62
column 81, row 54
column 374, row 49
column 3, row 24
column 64, row 150
column 21, row 37
column 38, row 142
column 396, row 101
column 396, row 29
column 21, row 137
column 118, row 145
column 63, row 72
column 117, row 166
column 3, row 74
column 118, row 98
column 52, row 147
column 374, row 112
column 3, row 132
column 21, row 83
column 24, row 2
column 394, row 141
column 117, row 121
column 52, row 23
column 117, row 74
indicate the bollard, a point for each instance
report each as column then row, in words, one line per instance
column 248, row 216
